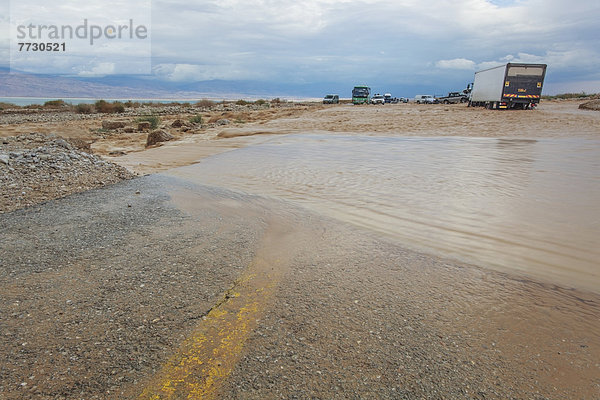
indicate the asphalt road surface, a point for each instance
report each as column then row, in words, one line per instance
column 157, row 288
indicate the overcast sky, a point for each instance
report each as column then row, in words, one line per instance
column 402, row 43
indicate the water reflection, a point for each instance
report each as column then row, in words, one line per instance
column 528, row 205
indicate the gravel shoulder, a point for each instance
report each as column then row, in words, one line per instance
column 35, row 168
column 97, row 289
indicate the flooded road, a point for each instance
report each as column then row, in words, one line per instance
column 530, row 206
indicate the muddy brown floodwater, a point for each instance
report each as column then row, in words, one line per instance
column 518, row 205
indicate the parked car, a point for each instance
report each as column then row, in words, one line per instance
column 425, row 99
column 403, row 100
column 378, row 99
column 389, row 99
column 454, row 97
column 331, row 99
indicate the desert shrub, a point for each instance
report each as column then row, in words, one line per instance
column 105, row 107
column 196, row 119
column 153, row 119
column 54, row 104
column 276, row 100
column 5, row 106
column 132, row 104
column 205, row 103
column 241, row 102
column 260, row 102
column 83, row 108
column 566, row 96
column 118, row 107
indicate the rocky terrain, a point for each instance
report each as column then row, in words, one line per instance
column 35, row 168
column 19, row 115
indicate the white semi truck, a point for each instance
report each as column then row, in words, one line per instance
column 512, row 85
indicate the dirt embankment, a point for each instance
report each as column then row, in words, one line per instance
column 591, row 105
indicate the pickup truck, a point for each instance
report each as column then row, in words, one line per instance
column 453, row 97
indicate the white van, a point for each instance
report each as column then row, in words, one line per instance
column 425, row 99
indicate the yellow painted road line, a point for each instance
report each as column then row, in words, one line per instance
column 210, row 354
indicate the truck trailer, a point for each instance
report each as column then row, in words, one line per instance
column 512, row 85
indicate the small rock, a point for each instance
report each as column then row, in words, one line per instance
column 223, row 122
column 5, row 158
column 62, row 143
column 158, row 136
column 177, row 123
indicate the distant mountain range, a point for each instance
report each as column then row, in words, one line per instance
column 20, row 84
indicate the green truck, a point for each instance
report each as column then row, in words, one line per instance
column 361, row 95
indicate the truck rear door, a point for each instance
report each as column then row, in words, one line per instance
column 523, row 83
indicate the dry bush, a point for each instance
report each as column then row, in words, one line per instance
column 109, row 108
column 153, row 119
column 55, row 104
column 5, row 106
column 205, row 103
column 132, row 104
column 196, row 119
column 83, row 108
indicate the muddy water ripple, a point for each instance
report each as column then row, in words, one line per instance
column 531, row 206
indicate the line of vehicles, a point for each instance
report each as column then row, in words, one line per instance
column 508, row 86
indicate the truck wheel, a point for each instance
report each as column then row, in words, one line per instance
column 446, row 102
